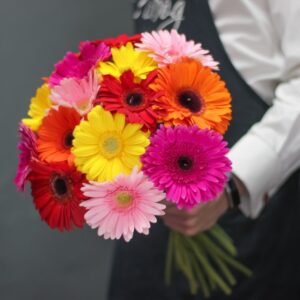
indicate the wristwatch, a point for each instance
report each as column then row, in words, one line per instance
column 232, row 192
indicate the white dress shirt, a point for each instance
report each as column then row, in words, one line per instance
column 263, row 41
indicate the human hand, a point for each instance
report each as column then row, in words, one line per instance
column 197, row 219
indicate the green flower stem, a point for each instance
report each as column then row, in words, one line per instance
column 210, row 256
column 188, row 265
column 183, row 263
column 222, row 232
column 200, row 276
column 227, row 274
column 204, row 260
column 225, row 241
column 208, row 268
column 231, row 261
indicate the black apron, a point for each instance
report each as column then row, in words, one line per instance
column 268, row 245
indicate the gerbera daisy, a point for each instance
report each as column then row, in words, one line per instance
column 69, row 67
column 75, row 65
column 57, row 195
column 93, row 53
column 119, row 207
column 135, row 100
column 198, row 97
column 189, row 164
column 104, row 146
column 55, row 135
column 119, row 40
column 77, row 93
column 167, row 47
column 39, row 106
column 28, row 152
column 127, row 58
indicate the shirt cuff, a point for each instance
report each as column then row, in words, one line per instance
column 258, row 167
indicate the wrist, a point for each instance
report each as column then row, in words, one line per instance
column 235, row 190
column 224, row 203
column 242, row 189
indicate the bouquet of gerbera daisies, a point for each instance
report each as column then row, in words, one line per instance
column 124, row 126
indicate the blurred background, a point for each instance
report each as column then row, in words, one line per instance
column 35, row 261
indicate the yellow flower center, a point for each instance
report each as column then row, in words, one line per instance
column 83, row 104
column 110, row 145
column 124, row 199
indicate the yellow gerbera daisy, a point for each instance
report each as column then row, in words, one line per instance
column 38, row 108
column 127, row 58
column 104, row 146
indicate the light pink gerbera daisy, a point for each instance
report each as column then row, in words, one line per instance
column 188, row 163
column 167, row 47
column 28, row 151
column 123, row 205
column 77, row 93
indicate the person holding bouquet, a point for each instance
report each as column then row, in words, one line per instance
column 258, row 50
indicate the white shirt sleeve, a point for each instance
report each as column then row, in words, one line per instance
column 265, row 157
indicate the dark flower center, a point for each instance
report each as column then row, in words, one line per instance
column 134, row 99
column 68, row 139
column 60, row 186
column 184, row 163
column 190, row 100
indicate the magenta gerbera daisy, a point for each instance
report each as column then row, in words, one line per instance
column 123, row 205
column 93, row 53
column 28, row 151
column 77, row 65
column 167, row 47
column 188, row 163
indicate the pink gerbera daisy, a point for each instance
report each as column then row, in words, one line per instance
column 28, row 151
column 78, row 65
column 123, row 205
column 188, row 163
column 77, row 93
column 167, row 47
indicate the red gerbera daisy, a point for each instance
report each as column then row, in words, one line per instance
column 133, row 99
column 120, row 40
column 57, row 195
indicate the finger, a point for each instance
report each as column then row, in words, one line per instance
column 173, row 210
column 185, row 231
column 175, row 226
column 182, row 219
column 189, row 226
column 183, row 222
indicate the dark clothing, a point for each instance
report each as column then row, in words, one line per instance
column 268, row 245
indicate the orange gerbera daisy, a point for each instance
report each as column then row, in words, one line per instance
column 55, row 135
column 193, row 94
